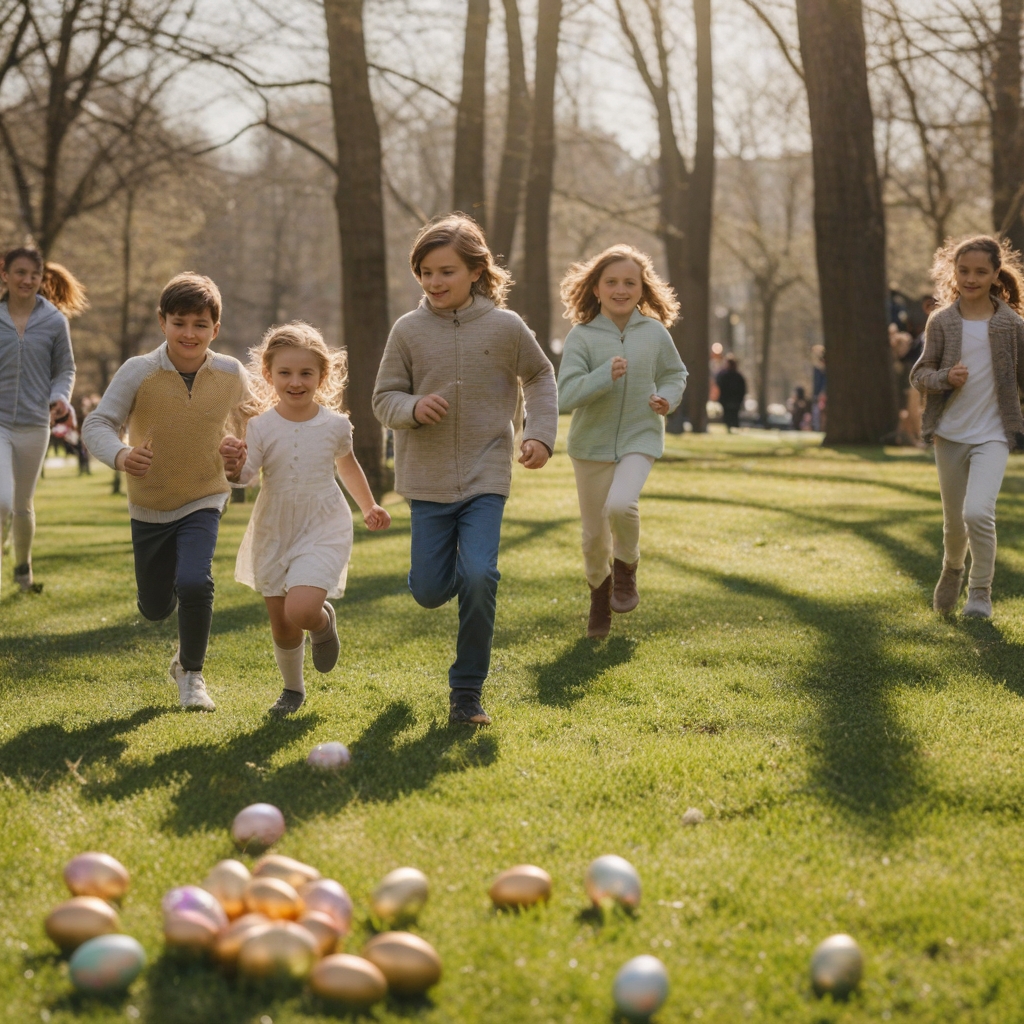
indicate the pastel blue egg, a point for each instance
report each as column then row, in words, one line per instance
column 641, row 986
column 108, row 963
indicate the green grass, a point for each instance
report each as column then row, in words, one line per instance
column 858, row 760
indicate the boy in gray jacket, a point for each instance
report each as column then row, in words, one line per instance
column 448, row 386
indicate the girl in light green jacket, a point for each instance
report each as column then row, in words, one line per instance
column 620, row 376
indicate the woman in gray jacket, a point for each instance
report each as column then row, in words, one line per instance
column 37, row 374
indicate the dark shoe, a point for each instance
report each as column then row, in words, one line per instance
column 289, row 702
column 468, row 714
column 600, row 621
column 624, row 596
column 325, row 652
column 23, row 577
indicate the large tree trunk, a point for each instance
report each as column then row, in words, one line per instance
column 517, row 141
column 468, row 191
column 849, row 222
column 537, row 270
column 360, row 204
column 764, row 368
column 1007, row 133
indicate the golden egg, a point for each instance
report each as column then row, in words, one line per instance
column 80, row 918
column 189, row 930
column 521, row 886
column 229, row 942
column 283, row 950
column 294, row 872
column 400, row 895
column 96, row 874
column 410, row 964
column 323, row 929
column 273, row 897
column 329, row 897
column 348, row 979
column 226, row 882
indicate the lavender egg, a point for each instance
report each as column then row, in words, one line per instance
column 329, row 757
column 108, row 963
column 329, row 897
column 195, row 900
column 258, row 825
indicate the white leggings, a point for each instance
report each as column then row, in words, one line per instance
column 609, row 494
column 970, row 476
column 22, row 450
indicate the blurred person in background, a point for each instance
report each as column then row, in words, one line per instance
column 732, row 389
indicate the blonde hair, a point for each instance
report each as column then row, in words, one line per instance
column 657, row 298
column 297, row 334
column 467, row 238
column 58, row 286
column 1006, row 261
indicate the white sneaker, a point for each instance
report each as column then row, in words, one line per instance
column 191, row 687
column 979, row 603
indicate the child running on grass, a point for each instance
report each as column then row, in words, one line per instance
column 449, row 385
column 620, row 376
column 970, row 371
column 177, row 401
column 296, row 548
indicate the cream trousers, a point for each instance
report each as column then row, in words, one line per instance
column 970, row 476
column 609, row 494
column 22, row 450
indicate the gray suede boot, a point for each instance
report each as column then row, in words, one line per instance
column 947, row 590
column 979, row 603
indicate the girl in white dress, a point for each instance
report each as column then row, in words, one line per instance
column 296, row 549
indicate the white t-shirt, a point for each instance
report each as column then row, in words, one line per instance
column 971, row 415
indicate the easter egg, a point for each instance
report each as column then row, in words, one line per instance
column 401, row 894
column 284, row 950
column 329, row 897
column 273, row 897
column 229, row 942
column 409, row 964
column 323, row 929
column 96, row 874
column 521, row 886
column 294, row 872
column 348, row 979
column 257, row 826
column 189, row 931
column 329, row 757
column 837, row 966
column 226, row 882
column 194, row 899
column 641, row 986
column 79, row 919
column 612, row 879
column 107, row 963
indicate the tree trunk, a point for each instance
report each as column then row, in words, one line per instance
column 360, row 205
column 849, row 222
column 468, row 191
column 126, row 345
column 763, row 371
column 1007, row 140
column 517, row 141
column 537, row 269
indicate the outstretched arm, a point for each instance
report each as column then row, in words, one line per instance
column 354, row 479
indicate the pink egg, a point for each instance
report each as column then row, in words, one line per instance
column 258, row 825
column 193, row 899
column 329, row 757
column 329, row 897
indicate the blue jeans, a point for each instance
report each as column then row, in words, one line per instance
column 455, row 552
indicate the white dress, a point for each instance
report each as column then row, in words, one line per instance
column 300, row 532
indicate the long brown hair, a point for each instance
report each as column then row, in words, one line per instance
column 58, row 286
column 657, row 299
column 1006, row 261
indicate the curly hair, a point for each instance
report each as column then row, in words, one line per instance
column 657, row 298
column 297, row 334
column 58, row 286
column 467, row 238
column 1006, row 261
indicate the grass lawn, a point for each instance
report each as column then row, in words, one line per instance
column 858, row 760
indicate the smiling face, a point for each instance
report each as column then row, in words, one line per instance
column 188, row 336
column 22, row 279
column 975, row 275
column 294, row 374
column 445, row 278
column 619, row 289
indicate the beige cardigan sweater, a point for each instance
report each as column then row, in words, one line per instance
column 942, row 348
column 476, row 359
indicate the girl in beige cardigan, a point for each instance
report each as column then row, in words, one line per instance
column 971, row 372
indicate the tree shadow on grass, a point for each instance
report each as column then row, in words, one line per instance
column 562, row 682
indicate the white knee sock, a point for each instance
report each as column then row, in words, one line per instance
column 290, row 664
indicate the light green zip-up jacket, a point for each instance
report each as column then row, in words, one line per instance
column 614, row 418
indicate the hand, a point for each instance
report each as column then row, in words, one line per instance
column 659, row 405
column 619, row 364
column 377, row 518
column 135, row 461
column 58, row 410
column 233, row 451
column 535, row 454
column 957, row 375
column 431, row 409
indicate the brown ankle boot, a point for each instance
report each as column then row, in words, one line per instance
column 600, row 610
column 624, row 595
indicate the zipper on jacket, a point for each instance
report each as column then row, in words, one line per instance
column 458, row 404
column 622, row 400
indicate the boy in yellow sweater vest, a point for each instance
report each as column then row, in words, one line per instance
column 177, row 402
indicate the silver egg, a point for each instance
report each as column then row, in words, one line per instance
column 641, row 987
column 401, row 894
column 329, row 757
column 257, row 826
column 612, row 879
column 108, row 963
column 837, row 966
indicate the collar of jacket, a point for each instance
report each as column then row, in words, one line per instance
column 44, row 307
column 480, row 305
column 1002, row 315
column 165, row 360
column 602, row 323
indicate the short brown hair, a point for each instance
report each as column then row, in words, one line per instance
column 466, row 237
column 190, row 293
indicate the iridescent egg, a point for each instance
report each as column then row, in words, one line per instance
column 329, row 757
column 196, row 900
column 189, row 931
column 226, row 882
column 837, row 966
column 284, row 950
column 329, row 897
column 612, row 879
column 96, row 874
column 79, row 919
column 410, row 964
column 400, row 895
column 257, row 826
column 323, row 928
column 289, row 870
column 641, row 986
column 229, row 942
column 521, row 886
column 108, row 963
column 273, row 897
column 348, row 979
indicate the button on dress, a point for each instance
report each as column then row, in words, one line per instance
column 300, row 531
